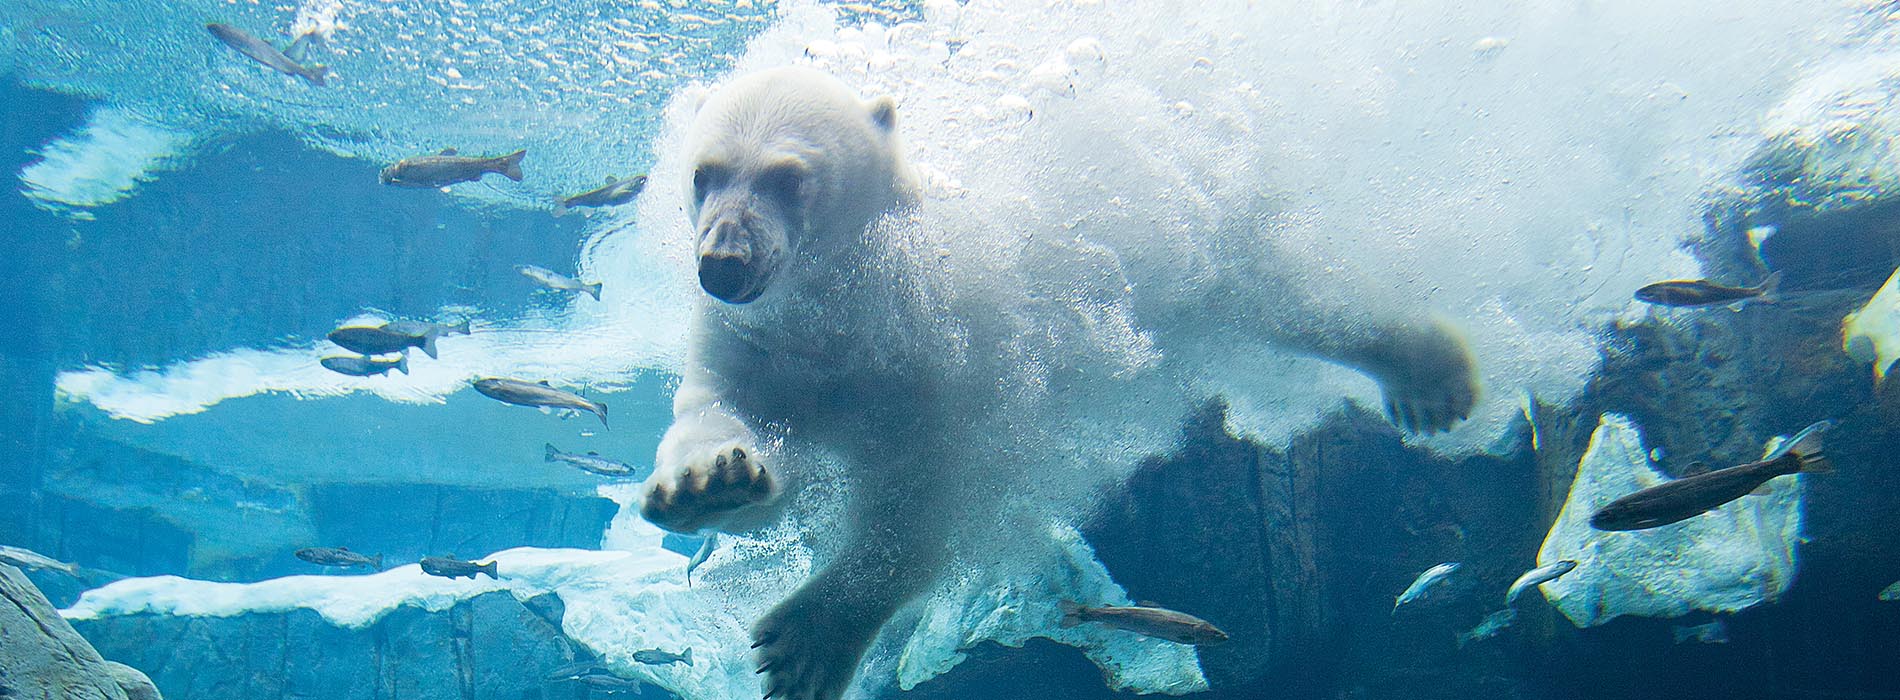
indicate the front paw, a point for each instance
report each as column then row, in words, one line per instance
column 705, row 490
column 1429, row 379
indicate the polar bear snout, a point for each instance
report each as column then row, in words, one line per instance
column 729, row 267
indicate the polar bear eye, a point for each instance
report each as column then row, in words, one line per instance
column 705, row 179
column 782, row 183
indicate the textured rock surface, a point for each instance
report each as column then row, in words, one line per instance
column 41, row 657
column 489, row 647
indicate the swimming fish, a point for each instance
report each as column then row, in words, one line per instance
column 1710, row 633
column 1422, row 585
column 394, row 336
column 1537, row 577
column 339, row 557
column 1489, row 627
column 447, row 168
column 1691, row 496
column 1700, row 293
column 576, row 670
column 655, row 657
column 29, row 559
column 285, row 61
column 539, row 394
column 1160, row 623
column 590, row 462
column 456, row 568
column 359, row 366
column 699, row 557
column 1892, row 592
column 613, row 194
column 607, row 681
column 557, row 281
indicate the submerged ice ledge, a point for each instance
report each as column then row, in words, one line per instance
column 606, row 353
column 1726, row 560
column 619, row 602
column 101, row 162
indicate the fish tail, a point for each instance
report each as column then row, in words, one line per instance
column 600, row 409
column 402, row 363
column 1071, row 614
column 1807, row 445
column 460, row 328
column 552, row 454
column 1683, row 634
column 318, row 74
column 428, row 343
column 490, row 568
column 1766, row 291
column 377, row 562
column 510, row 165
column 560, row 206
column 688, row 656
column 593, row 290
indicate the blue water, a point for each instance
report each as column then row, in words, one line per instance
column 185, row 227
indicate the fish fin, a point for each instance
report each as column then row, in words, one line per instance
column 593, row 290
column 592, row 453
column 300, row 47
column 318, row 74
column 545, row 383
column 460, row 328
column 1765, row 489
column 377, row 561
column 491, row 568
column 511, row 164
column 1816, row 464
column 1071, row 614
column 1768, row 290
column 446, row 152
column 1696, row 467
column 552, row 454
column 402, row 364
column 1148, row 604
column 428, row 344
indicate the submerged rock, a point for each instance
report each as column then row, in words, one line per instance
column 45, row 658
column 1728, row 559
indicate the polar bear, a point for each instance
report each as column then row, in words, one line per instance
column 823, row 338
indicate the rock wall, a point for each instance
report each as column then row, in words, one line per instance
column 42, row 658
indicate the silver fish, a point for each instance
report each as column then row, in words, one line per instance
column 539, row 394
column 557, row 281
column 576, row 670
column 1146, row 620
column 1537, row 577
column 447, row 567
column 1422, row 585
column 285, row 62
column 1489, row 627
column 608, row 682
column 29, row 559
column 590, row 462
column 614, row 193
column 394, row 336
column 705, row 552
column 1708, row 633
column 447, row 168
column 339, row 557
column 655, row 657
column 358, row 366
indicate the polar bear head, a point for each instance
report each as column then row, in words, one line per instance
column 783, row 160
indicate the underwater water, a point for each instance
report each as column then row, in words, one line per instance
column 947, row 350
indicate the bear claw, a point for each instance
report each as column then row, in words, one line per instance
column 701, row 493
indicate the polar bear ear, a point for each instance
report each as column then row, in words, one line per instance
column 883, row 112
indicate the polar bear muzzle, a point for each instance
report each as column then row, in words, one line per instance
column 730, row 268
